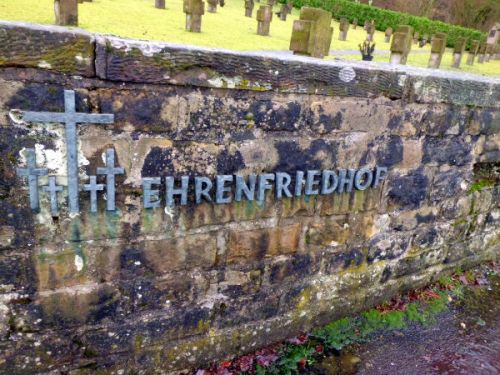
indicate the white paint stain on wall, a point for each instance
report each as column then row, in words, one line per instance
column 78, row 263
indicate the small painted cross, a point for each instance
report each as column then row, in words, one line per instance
column 110, row 171
column 70, row 118
column 32, row 172
column 52, row 188
column 93, row 187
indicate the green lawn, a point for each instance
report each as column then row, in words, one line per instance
column 228, row 28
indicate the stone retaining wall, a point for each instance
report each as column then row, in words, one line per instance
column 165, row 289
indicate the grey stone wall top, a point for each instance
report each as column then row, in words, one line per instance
column 76, row 52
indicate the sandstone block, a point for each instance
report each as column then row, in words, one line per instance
column 57, row 49
column 255, row 245
column 249, row 4
column 194, row 9
column 401, row 45
column 330, row 232
column 312, row 34
column 7, row 236
column 66, row 12
column 343, row 29
column 388, row 35
column 65, row 269
column 458, row 51
column 181, row 253
column 438, row 48
column 212, row 6
column 264, row 17
column 160, row 4
column 474, row 48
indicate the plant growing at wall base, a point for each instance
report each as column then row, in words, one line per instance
column 418, row 306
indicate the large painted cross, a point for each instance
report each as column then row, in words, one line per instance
column 70, row 118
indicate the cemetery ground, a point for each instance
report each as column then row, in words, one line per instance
column 449, row 327
column 227, row 29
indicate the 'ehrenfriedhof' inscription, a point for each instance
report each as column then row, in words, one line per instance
column 170, row 191
column 224, row 189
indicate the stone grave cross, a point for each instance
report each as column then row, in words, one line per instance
column 70, row 118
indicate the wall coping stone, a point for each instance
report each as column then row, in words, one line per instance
column 77, row 52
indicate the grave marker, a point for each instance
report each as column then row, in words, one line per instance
column 249, row 4
column 438, row 48
column 416, row 37
column 424, row 40
column 481, row 52
column 496, row 55
column 401, row 44
column 370, row 30
column 458, row 51
column 494, row 34
column 264, row 17
column 312, row 33
column 66, row 12
column 283, row 12
column 194, row 9
column 355, row 23
column 160, row 4
column 212, row 6
column 343, row 29
column 474, row 47
column 488, row 52
column 388, row 34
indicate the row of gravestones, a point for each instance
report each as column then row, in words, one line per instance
column 312, row 32
column 66, row 12
column 402, row 42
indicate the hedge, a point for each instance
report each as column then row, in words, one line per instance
column 387, row 18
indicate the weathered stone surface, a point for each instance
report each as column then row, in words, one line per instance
column 50, row 47
column 7, row 236
column 264, row 17
column 136, row 290
column 254, row 246
column 343, row 29
column 401, row 45
column 249, row 4
column 312, row 34
column 388, row 34
column 458, row 51
column 438, row 48
column 160, row 4
column 370, row 30
column 194, row 9
column 212, row 6
column 474, row 48
column 66, row 12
